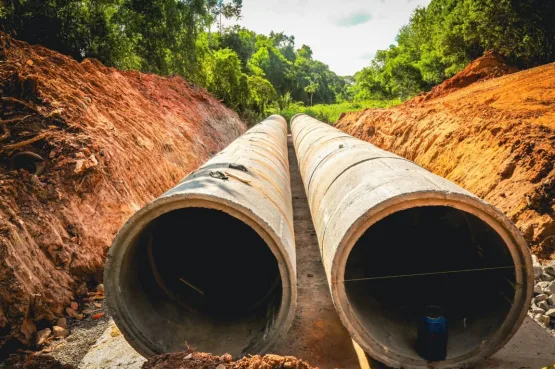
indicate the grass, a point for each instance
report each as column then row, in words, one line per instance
column 329, row 113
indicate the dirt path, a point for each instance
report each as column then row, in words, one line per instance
column 317, row 335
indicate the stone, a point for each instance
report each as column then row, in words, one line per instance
column 541, row 297
column 544, row 319
column 537, row 310
column 62, row 322
column 74, row 305
column 551, row 300
column 550, row 313
column 42, row 336
column 60, row 332
column 538, row 270
column 544, row 285
column 100, row 288
column 220, row 366
column 188, row 357
column 550, row 269
column 543, row 305
column 550, row 289
column 227, row 358
column 546, row 277
column 537, row 289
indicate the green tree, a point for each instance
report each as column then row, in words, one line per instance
column 311, row 89
column 261, row 93
column 226, row 80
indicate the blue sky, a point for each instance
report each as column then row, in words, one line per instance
column 344, row 34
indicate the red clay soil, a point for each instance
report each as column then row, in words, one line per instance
column 495, row 138
column 185, row 360
column 107, row 142
column 491, row 65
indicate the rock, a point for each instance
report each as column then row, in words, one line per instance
column 227, row 358
column 543, row 285
column 550, row 269
column 220, row 366
column 546, row 277
column 550, row 313
column 538, row 270
column 540, row 298
column 42, row 336
column 537, row 289
column 551, row 300
column 100, row 288
column 536, row 310
column 543, row 305
column 543, row 319
column 74, row 305
column 62, row 322
column 188, row 357
column 550, row 289
column 60, row 332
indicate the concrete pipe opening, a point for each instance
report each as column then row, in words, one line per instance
column 199, row 277
column 435, row 255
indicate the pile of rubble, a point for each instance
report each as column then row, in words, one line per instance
column 543, row 303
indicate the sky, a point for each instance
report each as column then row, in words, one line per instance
column 344, row 34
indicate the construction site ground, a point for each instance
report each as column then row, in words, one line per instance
column 317, row 335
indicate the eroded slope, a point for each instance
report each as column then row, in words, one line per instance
column 102, row 143
column 495, row 138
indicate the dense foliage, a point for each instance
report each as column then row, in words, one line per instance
column 255, row 74
column 441, row 39
column 247, row 71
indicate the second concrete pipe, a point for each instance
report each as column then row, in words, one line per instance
column 210, row 265
column 395, row 238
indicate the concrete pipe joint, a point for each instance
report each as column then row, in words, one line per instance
column 211, row 263
column 396, row 239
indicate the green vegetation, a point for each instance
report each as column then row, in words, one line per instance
column 256, row 74
column 247, row 71
column 330, row 113
column 443, row 38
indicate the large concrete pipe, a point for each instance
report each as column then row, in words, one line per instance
column 396, row 239
column 210, row 264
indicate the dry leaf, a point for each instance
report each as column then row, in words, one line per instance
column 98, row 316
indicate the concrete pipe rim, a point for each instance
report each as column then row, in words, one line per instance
column 492, row 217
column 166, row 204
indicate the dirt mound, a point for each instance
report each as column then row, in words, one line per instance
column 496, row 139
column 185, row 360
column 491, row 65
column 82, row 147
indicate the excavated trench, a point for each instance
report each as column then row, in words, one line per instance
column 397, row 268
column 217, row 286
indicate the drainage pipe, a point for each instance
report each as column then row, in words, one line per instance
column 396, row 239
column 210, row 265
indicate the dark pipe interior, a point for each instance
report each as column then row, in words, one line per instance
column 427, row 240
column 203, row 277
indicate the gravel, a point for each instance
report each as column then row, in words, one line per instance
column 542, row 308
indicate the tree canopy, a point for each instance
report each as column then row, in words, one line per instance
column 251, row 72
column 443, row 38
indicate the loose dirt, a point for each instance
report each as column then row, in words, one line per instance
column 185, row 360
column 494, row 137
column 82, row 147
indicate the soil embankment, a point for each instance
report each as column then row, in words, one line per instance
column 492, row 136
column 82, row 147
